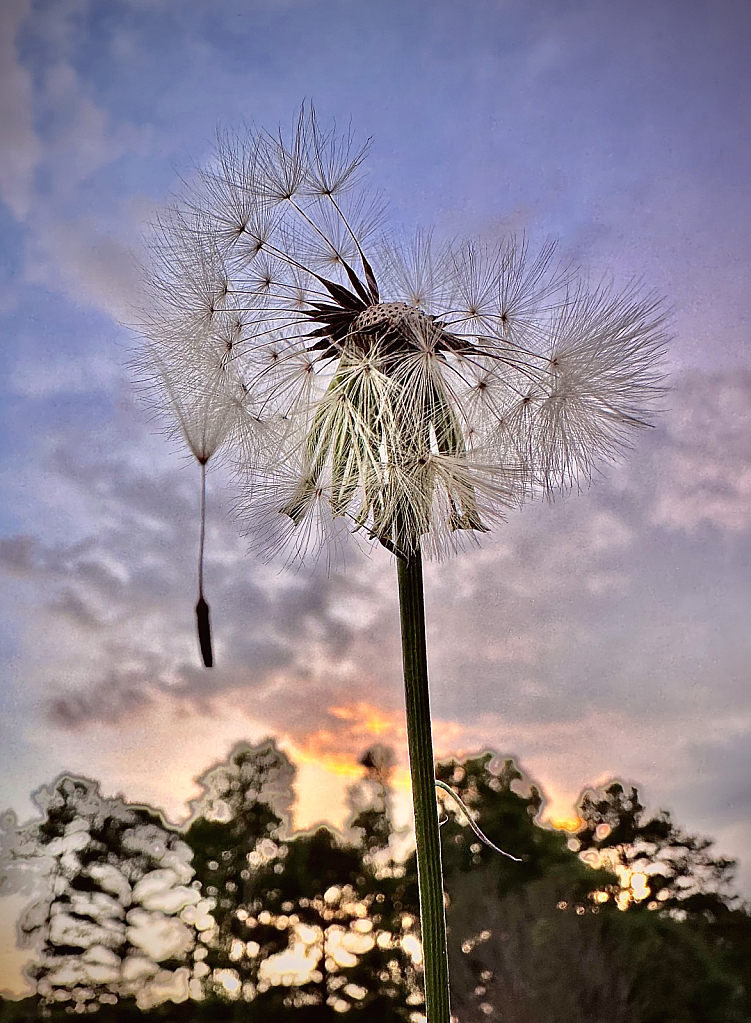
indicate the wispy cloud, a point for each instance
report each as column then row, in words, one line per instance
column 21, row 146
column 586, row 637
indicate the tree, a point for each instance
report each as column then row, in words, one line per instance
column 660, row 866
column 666, row 873
column 371, row 801
column 238, row 851
column 110, row 922
column 532, row 955
column 297, row 920
column 504, row 808
column 500, row 910
column 560, row 936
column 310, row 927
column 351, row 919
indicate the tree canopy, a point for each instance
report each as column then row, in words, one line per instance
column 236, row 916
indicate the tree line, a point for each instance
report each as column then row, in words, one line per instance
column 236, row 917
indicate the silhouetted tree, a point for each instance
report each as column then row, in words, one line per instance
column 297, row 924
column 351, row 916
column 236, row 836
column 661, row 867
column 666, row 872
column 313, row 927
column 532, row 956
column 483, row 887
column 504, row 807
column 730, row 936
column 371, row 802
column 110, row 919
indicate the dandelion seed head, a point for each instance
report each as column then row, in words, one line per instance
column 407, row 391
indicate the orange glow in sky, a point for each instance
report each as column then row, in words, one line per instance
column 366, row 719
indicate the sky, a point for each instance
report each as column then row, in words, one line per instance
column 601, row 636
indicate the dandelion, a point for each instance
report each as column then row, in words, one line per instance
column 409, row 393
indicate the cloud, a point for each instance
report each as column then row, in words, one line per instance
column 41, row 373
column 719, row 773
column 56, row 139
column 118, row 697
column 17, row 554
column 557, row 586
column 113, row 621
column 90, row 266
column 705, row 461
column 591, row 637
column 21, row 145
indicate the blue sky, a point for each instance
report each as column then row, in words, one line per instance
column 604, row 635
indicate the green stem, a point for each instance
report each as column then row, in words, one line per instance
column 422, row 769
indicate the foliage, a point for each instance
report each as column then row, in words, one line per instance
column 505, row 809
column 316, row 897
column 661, row 866
column 234, row 834
column 109, row 922
column 547, row 938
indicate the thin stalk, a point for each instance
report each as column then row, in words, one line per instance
column 202, row 535
column 422, row 770
column 203, row 620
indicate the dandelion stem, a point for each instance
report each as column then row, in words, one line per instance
column 422, row 769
